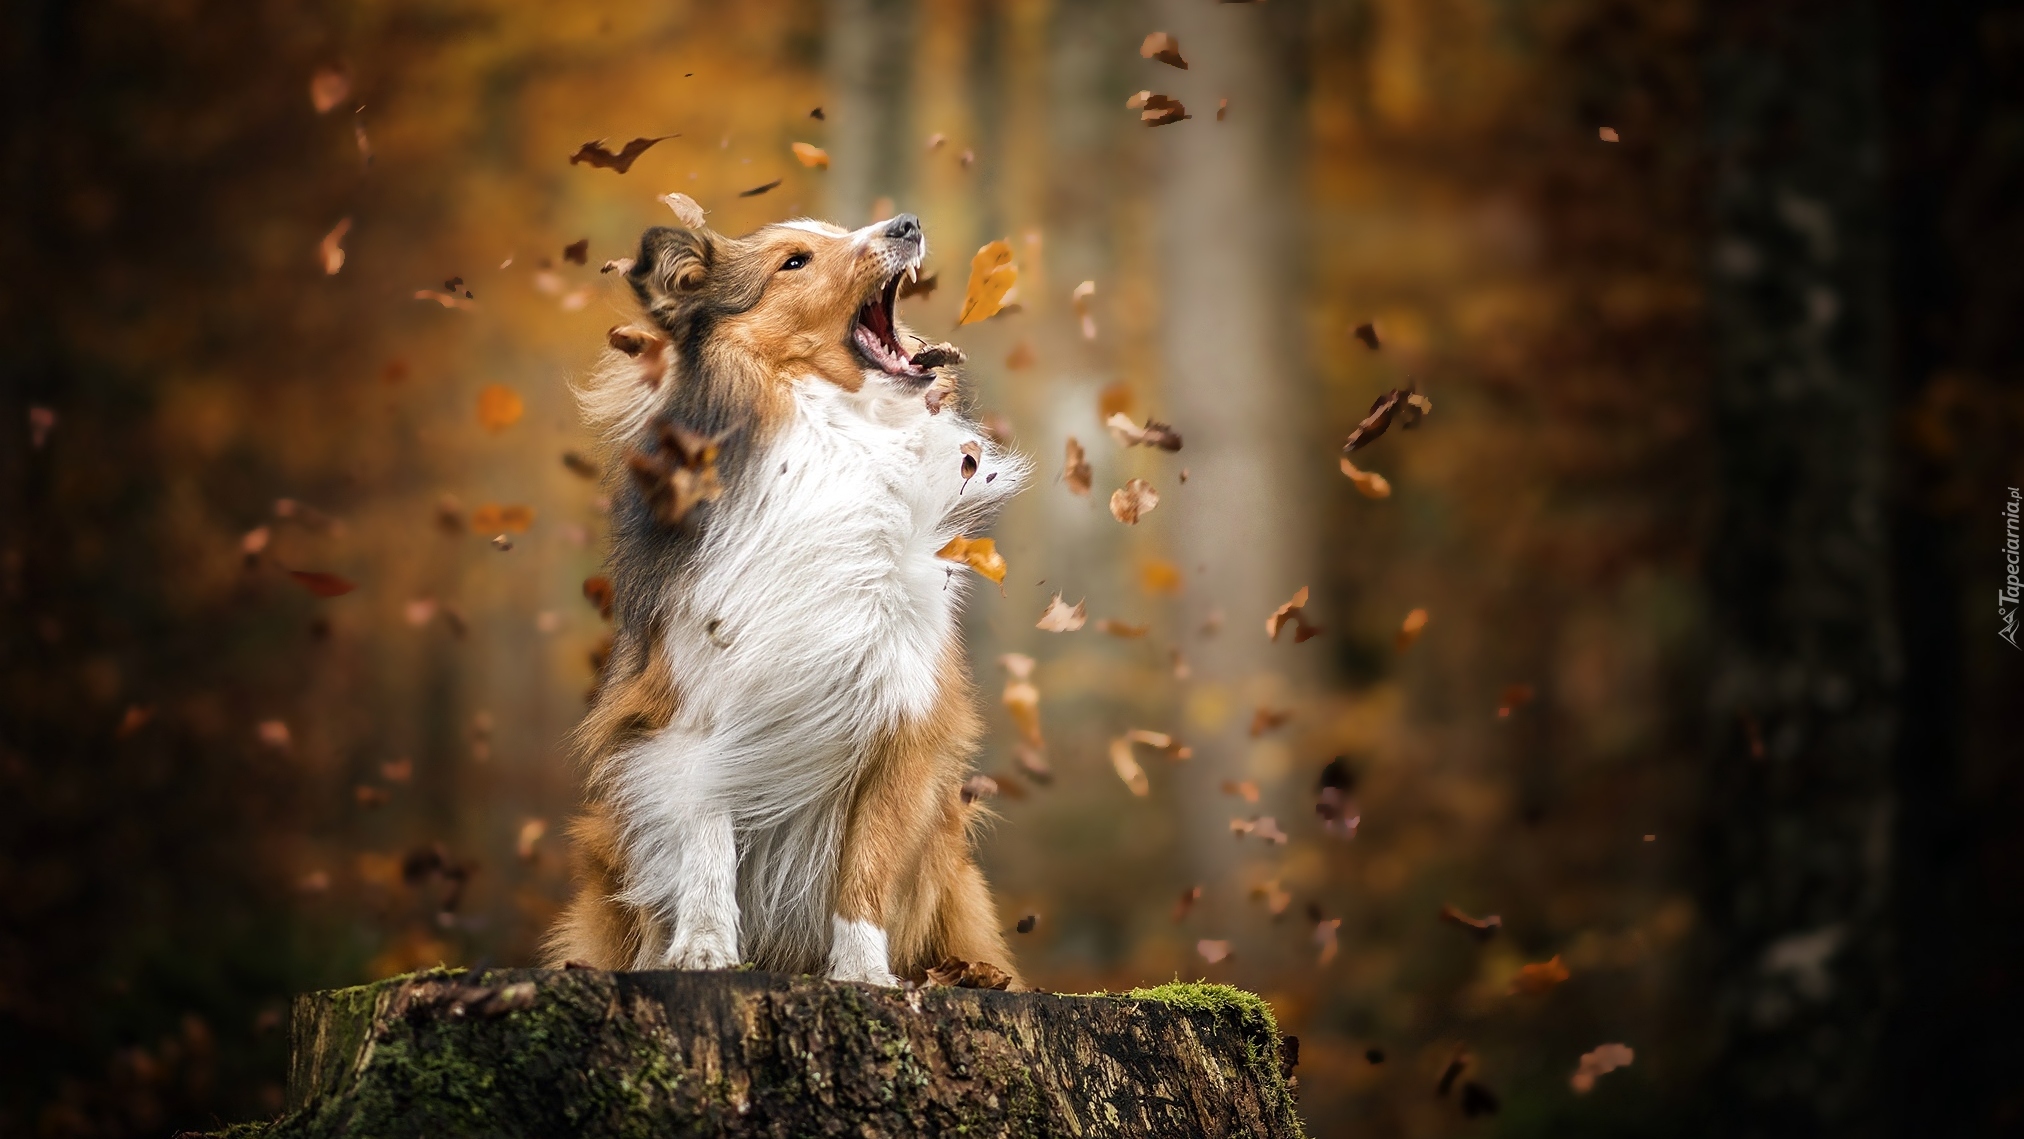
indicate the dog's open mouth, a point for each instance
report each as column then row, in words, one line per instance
column 877, row 337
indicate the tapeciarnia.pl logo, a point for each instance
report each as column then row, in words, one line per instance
column 2008, row 597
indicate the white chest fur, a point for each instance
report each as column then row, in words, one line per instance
column 814, row 616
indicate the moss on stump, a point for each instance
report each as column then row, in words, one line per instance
column 531, row 1052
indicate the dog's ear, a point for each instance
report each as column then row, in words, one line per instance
column 671, row 270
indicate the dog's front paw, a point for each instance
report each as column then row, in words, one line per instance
column 857, row 952
column 702, row 949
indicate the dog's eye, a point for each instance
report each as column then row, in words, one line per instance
column 795, row 262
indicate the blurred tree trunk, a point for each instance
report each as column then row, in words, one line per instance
column 870, row 50
column 1232, row 380
column 1805, row 684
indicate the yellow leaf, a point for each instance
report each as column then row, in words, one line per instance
column 1540, row 977
column 499, row 407
column 1411, row 628
column 1128, row 768
column 1369, row 483
column 813, row 156
column 992, row 275
column 980, row 554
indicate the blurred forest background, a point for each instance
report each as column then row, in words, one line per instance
column 1716, row 302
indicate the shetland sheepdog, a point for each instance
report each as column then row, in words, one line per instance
column 780, row 737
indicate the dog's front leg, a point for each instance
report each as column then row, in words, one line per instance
column 682, row 856
column 706, row 897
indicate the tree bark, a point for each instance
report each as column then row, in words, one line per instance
column 576, row 1052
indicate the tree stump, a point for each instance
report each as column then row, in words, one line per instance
column 542, row 1053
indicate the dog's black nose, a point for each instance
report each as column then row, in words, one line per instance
column 905, row 227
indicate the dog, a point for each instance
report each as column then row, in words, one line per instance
column 783, row 728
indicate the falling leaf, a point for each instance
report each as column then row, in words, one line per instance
column 1027, row 923
column 1602, row 1060
column 419, row 611
column 594, row 153
column 1075, row 473
column 1276, row 899
column 322, row 584
column 1080, row 300
column 360, row 139
column 577, row 252
column 648, row 351
column 1062, row 618
column 1159, row 578
column 1325, row 930
column 1367, row 332
column 921, row 286
column 328, row 86
column 978, row 787
column 1186, row 902
column 1608, row 134
column 1383, row 410
column 1022, row 698
column 493, row 517
column 686, row 210
column 1264, row 826
column 1153, row 434
column 1265, row 719
column 1119, row 629
column 367, row 795
column 936, row 140
column 1135, row 499
column 1296, row 612
column 1483, row 929
column 133, row 720
column 314, row 882
column 255, row 540
column 1478, row 1100
column 1115, row 399
column 980, row 554
column 397, row 770
column 1021, row 357
column 331, row 248
column 1245, row 790
column 1370, row 484
column 1157, row 110
column 1514, row 697
column 992, row 276
column 972, row 452
column 447, row 300
column 1333, row 803
column 679, row 475
column 813, row 157
column 968, row 975
column 577, row 299
column 1127, row 767
column 531, row 831
column 275, row 734
column 580, row 466
column 1165, row 48
column 499, row 407
column 1411, row 628
column 598, row 591
column 41, row 421
column 502, row 543
column 758, row 190
column 1540, row 977
column 1222, row 109
column 1033, row 762
column 1213, row 951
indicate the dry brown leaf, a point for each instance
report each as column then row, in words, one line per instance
column 1276, row 899
column 1133, row 501
column 1159, row 578
column 328, row 86
column 1153, row 434
column 973, row 453
column 977, row 788
column 648, row 350
column 499, row 407
column 1482, row 928
column 1264, row 826
column 1411, row 628
column 1265, row 719
column 1325, row 939
column 322, row 584
column 531, row 831
column 1022, row 699
column 255, row 540
column 1021, row 357
column 1080, row 300
column 1383, row 410
column 980, row 554
column 398, row 770
column 369, row 796
column 1296, row 612
column 813, row 157
column 331, row 248
column 1159, row 110
column 577, row 252
column 1062, row 618
column 758, row 190
column 1186, row 902
column 1540, row 977
column 992, row 276
column 1033, row 762
column 492, row 518
column 1149, row 738
column 1127, row 767
column 679, row 475
column 1118, row 628
column 598, row 591
column 133, row 720
column 1075, row 473
column 619, row 265
column 1603, row 1059
column 1213, row 951
column 594, row 153
column 446, row 299
column 1165, row 48
column 274, row 734
column 1367, row 332
column 1608, row 134
column 1222, row 109
column 936, row 141
column 1334, row 804
column 968, row 975
column 686, row 210
column 579, row 466
column 1370, row 484
column 1245, row 789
